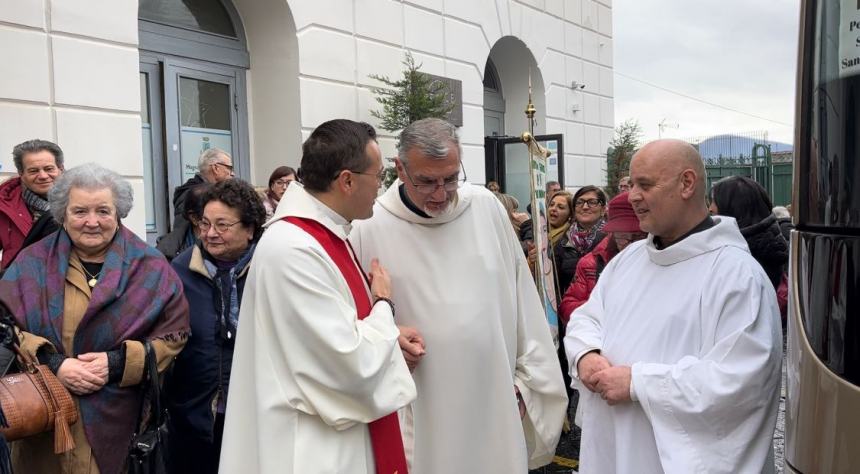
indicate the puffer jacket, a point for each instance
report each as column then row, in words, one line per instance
column 15, row 220
column 768, row 247
column 588, row 270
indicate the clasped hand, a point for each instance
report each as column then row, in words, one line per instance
column 612, row 383
column 85, row 374
column 412, row 346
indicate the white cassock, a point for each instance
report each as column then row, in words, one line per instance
column 307, row 374
column 461, row 279
column 699, row 325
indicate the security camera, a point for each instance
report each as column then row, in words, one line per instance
column 577, row 85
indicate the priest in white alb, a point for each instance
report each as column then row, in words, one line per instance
column 490, row 393
column 318, row 374
column 678, row 351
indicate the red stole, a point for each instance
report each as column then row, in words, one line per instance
column 385, row 432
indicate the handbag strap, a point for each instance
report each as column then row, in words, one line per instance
column 30, row 363
column 150, row 388
column 154, row 382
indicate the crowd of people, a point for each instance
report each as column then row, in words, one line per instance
column 315, row 325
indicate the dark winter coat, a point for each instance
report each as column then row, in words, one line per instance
column 566, row 257
column 768, row 247
column 785, row 227
column 202, row 370
column 175, row 241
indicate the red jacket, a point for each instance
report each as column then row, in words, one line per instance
column 586, row 277
column 15, row 220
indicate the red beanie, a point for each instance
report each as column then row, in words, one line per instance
column 621, row 216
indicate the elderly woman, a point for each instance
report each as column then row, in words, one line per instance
column 279, row 181
column 213, row 273
column 86, row 298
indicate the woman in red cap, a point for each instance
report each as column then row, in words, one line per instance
column 623, row 229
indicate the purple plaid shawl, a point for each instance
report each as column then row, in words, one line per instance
column 138, row 297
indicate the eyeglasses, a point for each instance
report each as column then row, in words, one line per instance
column 450, row 184
column 629, row 236
column 590, row 202
column 282, row 182
column 380, row 177
column 220, row 227
column 229, row 167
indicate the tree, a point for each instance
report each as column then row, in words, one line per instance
column 414, row 97
column 627, row 139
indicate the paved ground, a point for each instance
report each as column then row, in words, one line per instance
column 567, row 454
column 779, row 434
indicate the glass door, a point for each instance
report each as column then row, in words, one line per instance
column 202, row 113
column 507, row 161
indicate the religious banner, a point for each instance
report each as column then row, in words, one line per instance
column 544, row 272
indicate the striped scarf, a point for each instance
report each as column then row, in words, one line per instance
column 37, row 205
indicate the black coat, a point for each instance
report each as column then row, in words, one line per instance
column 202, row 370
column 565, row 258
column 785, row 227
column 174, row 242
column 768, row 247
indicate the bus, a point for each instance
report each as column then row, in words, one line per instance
column 822, row 414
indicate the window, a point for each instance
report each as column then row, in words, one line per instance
column 199, row 15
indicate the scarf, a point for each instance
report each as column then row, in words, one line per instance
column 225, row 281
column 583, row 240
column 37, row 205
column 556, row 234
column 138, row 297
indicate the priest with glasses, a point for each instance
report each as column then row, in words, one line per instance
column 490, row 392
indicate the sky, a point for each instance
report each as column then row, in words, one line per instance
column 738, row 54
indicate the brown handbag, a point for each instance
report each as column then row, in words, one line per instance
column 35, row 401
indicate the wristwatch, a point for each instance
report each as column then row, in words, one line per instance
column 382, row 298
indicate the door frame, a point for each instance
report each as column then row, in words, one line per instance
column 155, row 105
column 172, row 69
column 494, row 156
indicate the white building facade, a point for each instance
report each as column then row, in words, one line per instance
column 142, row 87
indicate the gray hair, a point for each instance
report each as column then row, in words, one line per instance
column 781, row 212
column 91, row 177
column 433, row 137
column 35, row 146
column 210, row 157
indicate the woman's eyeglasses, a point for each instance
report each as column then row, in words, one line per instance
column 590, row 202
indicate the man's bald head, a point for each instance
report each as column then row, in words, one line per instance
column 668, row 188
column 676, row 156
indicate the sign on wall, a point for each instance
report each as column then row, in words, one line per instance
column 197, row 140
column 454, row 88
column 849, row 38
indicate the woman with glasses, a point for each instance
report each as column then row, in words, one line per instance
column 578, row 237
column 279, row 181
column 623, row 229
column 586, row 231
column 213, row 275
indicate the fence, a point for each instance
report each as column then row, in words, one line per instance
column 752, row 155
